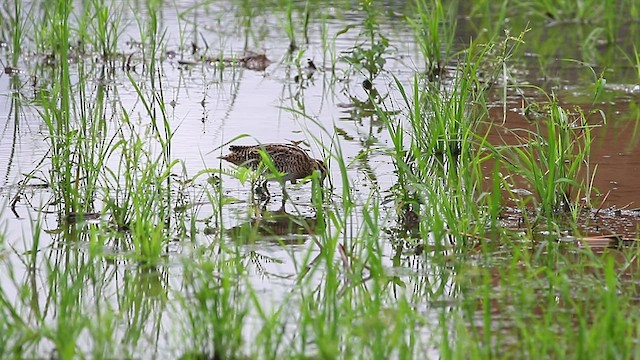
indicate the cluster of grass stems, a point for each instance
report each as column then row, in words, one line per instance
column 356, row 292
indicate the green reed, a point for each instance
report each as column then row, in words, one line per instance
column 492, row 17
column 368, row 56
column 76, row 127
column 289, row 27
column 347, row 313
column 105, row 29
column 48, row 310
column 57, row 111
column 83, row 144
column 142, row 204
column 535, row 301
column 551, row 159
column 433, row 27
column 567, row 11
column 636, row 54
column 18, row 28
column 138, row 195
column 329, row 52
column 216, row 305
column 440, row 166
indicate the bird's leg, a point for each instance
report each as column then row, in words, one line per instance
column 262, row 191
column 285, row 195
column 261, row 207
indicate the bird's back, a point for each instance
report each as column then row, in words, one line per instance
column 287, row 158
column 243, row 155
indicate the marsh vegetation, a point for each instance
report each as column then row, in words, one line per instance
column 480, row 198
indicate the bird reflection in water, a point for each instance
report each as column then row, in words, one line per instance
column 279, row 226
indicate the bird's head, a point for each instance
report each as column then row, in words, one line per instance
column 320, row 166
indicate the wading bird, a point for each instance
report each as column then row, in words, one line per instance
column 290, row 160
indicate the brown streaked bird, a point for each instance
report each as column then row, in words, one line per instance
column 289, row 159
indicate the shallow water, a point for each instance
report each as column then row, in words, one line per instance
column 208, row 106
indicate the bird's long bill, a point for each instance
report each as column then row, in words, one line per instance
column 324, row 173
column 322, row 168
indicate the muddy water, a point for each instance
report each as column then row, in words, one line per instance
column 208, row 107
column 615, row 152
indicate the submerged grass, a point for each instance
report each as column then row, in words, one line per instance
column 147, row 280
column 528, row 305
column 551, row 160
